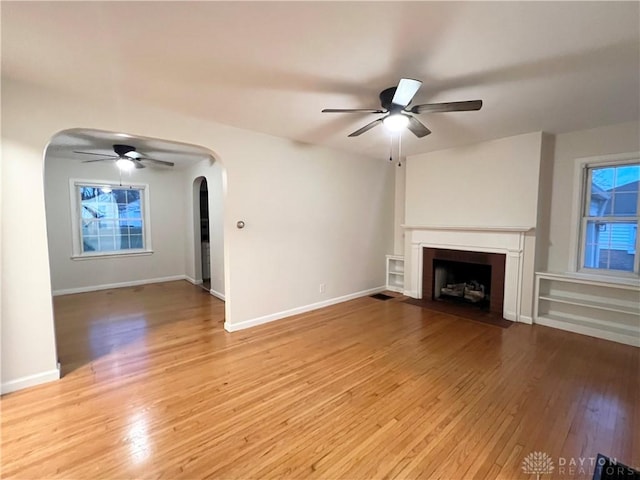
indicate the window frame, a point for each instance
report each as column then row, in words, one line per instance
column 77, row 252
column 581, row 217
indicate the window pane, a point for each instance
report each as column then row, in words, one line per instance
column 614, row 191
column 107, row 244
column 124, row 227
column 111, row 220
column 602, row 180
column 89, row 228
column 624, row 204
column 610, row 245
column 124, row 242
column 135, row 241
column 90, row 244
column 627, row 177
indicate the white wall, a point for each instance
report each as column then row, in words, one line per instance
column 167, row 221
column 28, row 340
column 620, row 138
column 314, row 215
column 493, row 184
column 399, row 209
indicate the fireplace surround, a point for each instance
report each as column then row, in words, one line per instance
column 508, row 241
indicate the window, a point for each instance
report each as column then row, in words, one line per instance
column 109, row 219
column 609, row 221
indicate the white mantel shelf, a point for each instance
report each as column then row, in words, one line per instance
column 467, row 228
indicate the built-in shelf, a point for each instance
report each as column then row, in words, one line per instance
column 586, row 303
column 601, row 307
column 395, row 273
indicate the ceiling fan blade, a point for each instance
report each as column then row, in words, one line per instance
column 352, row 110
column 97, row 160
column 367, row 127
column 417, row 127
column 448, row 107
column 100, row 154
column 138, row 164
column 406, row 90
column 157, row 162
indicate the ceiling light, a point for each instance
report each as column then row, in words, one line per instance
column 124, row 164
column 396, row 122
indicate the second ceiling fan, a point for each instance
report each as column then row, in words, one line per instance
column 126, row 158
column 395, row 103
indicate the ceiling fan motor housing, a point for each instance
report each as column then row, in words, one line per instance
column 122, row 150
column 386, row 97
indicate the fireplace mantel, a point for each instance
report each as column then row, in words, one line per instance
column 509, row 241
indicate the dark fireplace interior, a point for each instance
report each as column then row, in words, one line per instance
column 462, row 282
column 473, row 281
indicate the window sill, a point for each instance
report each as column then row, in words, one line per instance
column 97, row 256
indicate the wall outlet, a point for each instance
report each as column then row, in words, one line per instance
column 323, row 288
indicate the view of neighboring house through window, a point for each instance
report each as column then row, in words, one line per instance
column 112, row 218
column 610, row 218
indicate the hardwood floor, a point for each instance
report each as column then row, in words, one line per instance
column 155, row 388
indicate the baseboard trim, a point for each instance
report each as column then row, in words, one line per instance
column 106, row 286
column 525, row 319
column 30, row 380
column 192, row 280
column 234, row 327
column 217, row 294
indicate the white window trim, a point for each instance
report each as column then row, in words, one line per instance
column 576, row 235
column 76, row 235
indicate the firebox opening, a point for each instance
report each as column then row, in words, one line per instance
column 462, row 282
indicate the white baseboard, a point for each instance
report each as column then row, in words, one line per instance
column 525, row 319
column 411, row 293
column 30, row 380
column 233, row 327
column 217, row 294
column 106, row 286
column 192, row 280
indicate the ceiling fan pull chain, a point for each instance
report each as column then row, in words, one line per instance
column 399, row 149
column 391, row 148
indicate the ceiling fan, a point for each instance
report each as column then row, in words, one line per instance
column 395, row 104
column 126, row 158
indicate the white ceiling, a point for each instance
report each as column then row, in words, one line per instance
column 271, row 67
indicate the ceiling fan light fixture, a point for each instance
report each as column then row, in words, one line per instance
column 396, row 122
column 125, row 165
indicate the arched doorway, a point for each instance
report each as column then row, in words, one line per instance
column 208, row 231
column 145, row 228
column 201, row 232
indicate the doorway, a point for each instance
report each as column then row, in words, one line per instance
column 204, row 235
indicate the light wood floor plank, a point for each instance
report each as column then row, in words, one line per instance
column 154, row 387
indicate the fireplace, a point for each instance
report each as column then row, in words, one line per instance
column 475, row 279
column 514, row 245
